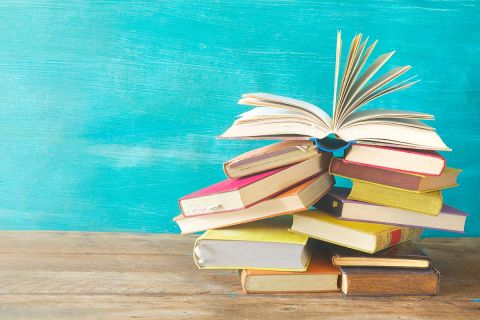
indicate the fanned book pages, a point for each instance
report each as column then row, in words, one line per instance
column 278, row 117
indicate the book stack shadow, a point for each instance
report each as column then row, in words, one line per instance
column 280, row 220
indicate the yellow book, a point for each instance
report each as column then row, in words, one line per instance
column 263, row 245
column 427, row 202
column 362, row 236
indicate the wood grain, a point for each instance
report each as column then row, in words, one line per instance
column 70, row 275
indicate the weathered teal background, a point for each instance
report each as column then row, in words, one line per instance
column 109, row 109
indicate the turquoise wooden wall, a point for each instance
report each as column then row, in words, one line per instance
column 109, row 109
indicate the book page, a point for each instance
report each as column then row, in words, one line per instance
column 351, row 56
column 397, row 135
column 337, row 70
column 284, row 102
column 364, row 78
column 366, row 115
column 396, row 87
column 392, row 121
column 352, row 74
column 357, row 100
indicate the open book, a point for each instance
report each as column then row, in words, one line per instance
column 277, row 117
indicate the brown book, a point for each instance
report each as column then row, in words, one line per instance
column 365, row 281
column 404, row 255
column 396, row 179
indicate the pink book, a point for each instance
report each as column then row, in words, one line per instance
column 241, row 193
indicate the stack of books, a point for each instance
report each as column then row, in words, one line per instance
column 280, row 221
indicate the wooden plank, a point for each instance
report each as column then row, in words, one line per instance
column 60, row 275
column 54, row 307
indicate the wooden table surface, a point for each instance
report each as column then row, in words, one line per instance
column 72, row 275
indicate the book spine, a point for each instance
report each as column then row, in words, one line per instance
column 390, row 238
column 391, row 178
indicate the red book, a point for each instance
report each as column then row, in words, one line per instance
column 241, row 193
column 396, row 179
column 406, row 160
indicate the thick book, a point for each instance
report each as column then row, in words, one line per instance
column 242, row 193
column 295, row 199
column 365, row 281
column 405, row 160
column 265, row 245
column 279, row 117
column 321, row 276
column 403, row 255
column 362, row 236
column 395, row 179
column 270, row 157
column 425, row 202
column 335, row 202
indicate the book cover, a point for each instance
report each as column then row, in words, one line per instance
column 365, row 281
column 295, row 199
column 362, row 236
column 321, row 275
column 269, row 157
column 243, row 246
column 237, row 194
column 393, row 178
column 335, row 202
column 427, row 202
column 270, row 230
column 228, row 185
column 406, row 254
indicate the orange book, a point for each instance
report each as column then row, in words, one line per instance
column 320, row 276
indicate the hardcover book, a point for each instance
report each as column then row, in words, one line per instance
column 265, row 245
column 395, row 179
column 278, row 117
column 295, row 199
column 403, row 255
column 362, row 236
column 426, row 202
column 320, row 276
column 420, row 162
column 364, row 281
column 335, row 202
column 242, row 193
column 269, row 157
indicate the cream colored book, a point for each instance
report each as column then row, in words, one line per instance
column 269, row 157
column 264, row 245
column 362, row 236
column 295, row 199
column 278, row 117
